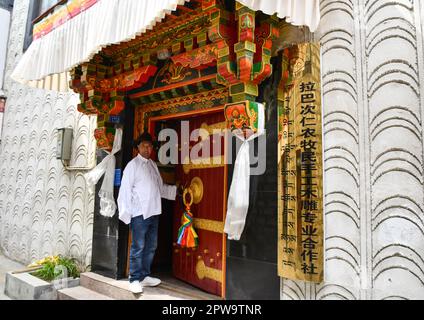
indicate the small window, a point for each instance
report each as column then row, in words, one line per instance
column 6, row 4
column 38, row 9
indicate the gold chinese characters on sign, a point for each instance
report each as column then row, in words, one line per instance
column 300, row 185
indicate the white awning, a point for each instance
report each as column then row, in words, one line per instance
column 80, row 38
column 52, row 55
column 296, row 12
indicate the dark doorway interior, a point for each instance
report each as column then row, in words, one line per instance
column 252, row 261
column 163, row 257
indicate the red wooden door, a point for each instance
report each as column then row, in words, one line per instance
column 203, row 266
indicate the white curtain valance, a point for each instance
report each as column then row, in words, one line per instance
column 79, row 39
column 296, row 12
column 113, row 21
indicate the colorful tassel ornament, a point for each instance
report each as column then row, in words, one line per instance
column 187, row 236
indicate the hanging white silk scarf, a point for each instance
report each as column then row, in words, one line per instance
column 238, row 197
column 106, row 167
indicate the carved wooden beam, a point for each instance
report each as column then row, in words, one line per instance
column 222, row 34
column 264, row 36
column 245, row 48
column 198, row 58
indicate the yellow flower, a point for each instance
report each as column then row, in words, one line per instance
column 52, row 259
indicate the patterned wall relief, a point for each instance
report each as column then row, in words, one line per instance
column 373, row 104
column 44, row 209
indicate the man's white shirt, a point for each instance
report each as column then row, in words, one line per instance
column 141, row 190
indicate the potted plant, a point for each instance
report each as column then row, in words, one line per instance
column 42, row 279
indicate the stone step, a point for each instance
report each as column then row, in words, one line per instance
column 107, row 286
column 118, row 289
column 80, row 293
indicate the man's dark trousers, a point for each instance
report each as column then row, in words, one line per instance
column 143, row 246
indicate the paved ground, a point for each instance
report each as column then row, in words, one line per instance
column 7, row 265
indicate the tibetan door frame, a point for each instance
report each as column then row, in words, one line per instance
column 150, row 127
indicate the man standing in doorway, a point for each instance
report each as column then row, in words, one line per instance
column 139, row 204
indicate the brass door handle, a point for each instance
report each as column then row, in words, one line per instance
column 195, row 190
column 196, row 186
column 188, row 190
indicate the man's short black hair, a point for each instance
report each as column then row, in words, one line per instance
column 144, row 137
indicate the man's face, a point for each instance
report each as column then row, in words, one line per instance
column 145, row 149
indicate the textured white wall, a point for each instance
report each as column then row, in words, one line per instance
column 4, row 35
column 43, row 208
column 373, row 89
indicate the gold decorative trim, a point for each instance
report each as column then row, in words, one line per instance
column 204, row 101
column 209, row 225
column 184, row 100
column 204, row 163
column 219, row 126
column 203, row 271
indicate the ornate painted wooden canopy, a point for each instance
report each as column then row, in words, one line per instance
column 204, row 45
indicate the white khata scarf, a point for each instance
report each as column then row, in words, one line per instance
column 238, row 197
column 106, row 167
